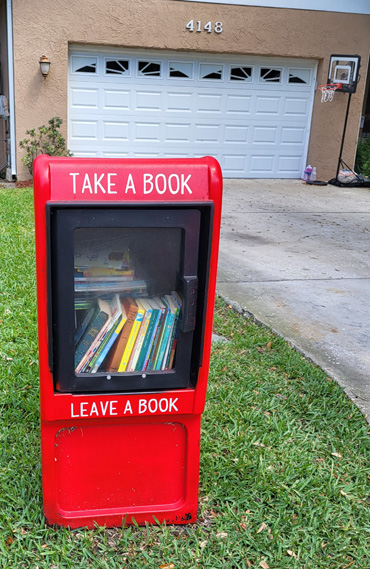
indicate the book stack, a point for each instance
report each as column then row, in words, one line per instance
column 128, row 334
column 102, row 272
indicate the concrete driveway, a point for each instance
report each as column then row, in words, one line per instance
column 297, row 257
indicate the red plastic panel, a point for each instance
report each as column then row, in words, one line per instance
column 110, row 180
column 120, row 467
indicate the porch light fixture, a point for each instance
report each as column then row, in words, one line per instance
column 44, row 65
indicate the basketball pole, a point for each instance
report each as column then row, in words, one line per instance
column 340, row 161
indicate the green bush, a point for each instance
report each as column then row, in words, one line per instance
column 44, row 140
column 362, row 163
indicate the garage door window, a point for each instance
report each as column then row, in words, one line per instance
column 211, row 71
column 180, row 70
column 302, row 76
column 269, row 75
column 84, row 64
column 149, row 68
column 241, row 74
column 117, row 66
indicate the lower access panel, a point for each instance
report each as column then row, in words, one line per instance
column 105, row 472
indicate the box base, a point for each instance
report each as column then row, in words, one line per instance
column 118, row 474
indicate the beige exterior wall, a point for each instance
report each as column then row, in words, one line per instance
column 45, row 27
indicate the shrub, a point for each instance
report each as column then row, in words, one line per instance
column 362, row 164
column 44, row 140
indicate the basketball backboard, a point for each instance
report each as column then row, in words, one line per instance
column 344, row 69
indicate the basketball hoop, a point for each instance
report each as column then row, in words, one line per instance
column 327, row 91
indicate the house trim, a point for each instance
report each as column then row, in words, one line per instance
column 353, row 7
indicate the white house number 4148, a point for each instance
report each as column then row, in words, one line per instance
column 196, row 26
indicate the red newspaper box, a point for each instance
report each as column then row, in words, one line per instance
column 126, row 254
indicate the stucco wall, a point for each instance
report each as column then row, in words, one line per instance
column 42, row 26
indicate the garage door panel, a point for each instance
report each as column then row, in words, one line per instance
column 85, row 98
column 255, row 128
column 267, row 105
column 238, row 104
column 180, row 102
column 107, row 154
column 265, row 135
column 84, row 130
column 81, row 153
column 116, row 99
column 147, row 132
column 262, row 164
column 289, row 164
column 178, row 133
column 207, row 133
column 116, row 131
column 208, row 103
column 235, row 163
column 148, row 100
column 292, row 135
column 236, row 134
column 296, row 106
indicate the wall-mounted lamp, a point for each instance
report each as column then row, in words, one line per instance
column 44, row 65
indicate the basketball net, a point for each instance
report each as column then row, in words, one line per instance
column 327, row 91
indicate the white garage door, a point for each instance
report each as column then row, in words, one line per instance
column 252, row 114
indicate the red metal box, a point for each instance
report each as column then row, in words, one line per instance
column 126, row 254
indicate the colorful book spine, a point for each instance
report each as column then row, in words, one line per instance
column 82, row 366
column 99, row 319
column 131, row 340
column 158, row 333
column 109, row 344
column 166, row 357
column 141, row 335
column 176, row 302
column 116, row 313
column 149, row 337
column 168, row 361
column 165, row 339
column 129, row 308
column 84, row 324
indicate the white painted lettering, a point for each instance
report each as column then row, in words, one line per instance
column 104, row 407
column 83, row 409
column 128, row 408
column 94, row 410
column 97, row 183
column 72, row 411
column 184, row 183
column 142, row 406
column 111, row 184
column 130, row 184
column 153, row 405
column 148, row 180
column 74, row 175
column 173, row 404
column 87, row 184
column 174, row 190
column 164, row 183
column 113, row 408
column 163, row 405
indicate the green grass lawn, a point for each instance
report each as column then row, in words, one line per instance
column 285, row 472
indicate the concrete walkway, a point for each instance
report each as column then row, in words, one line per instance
column 297, row 257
